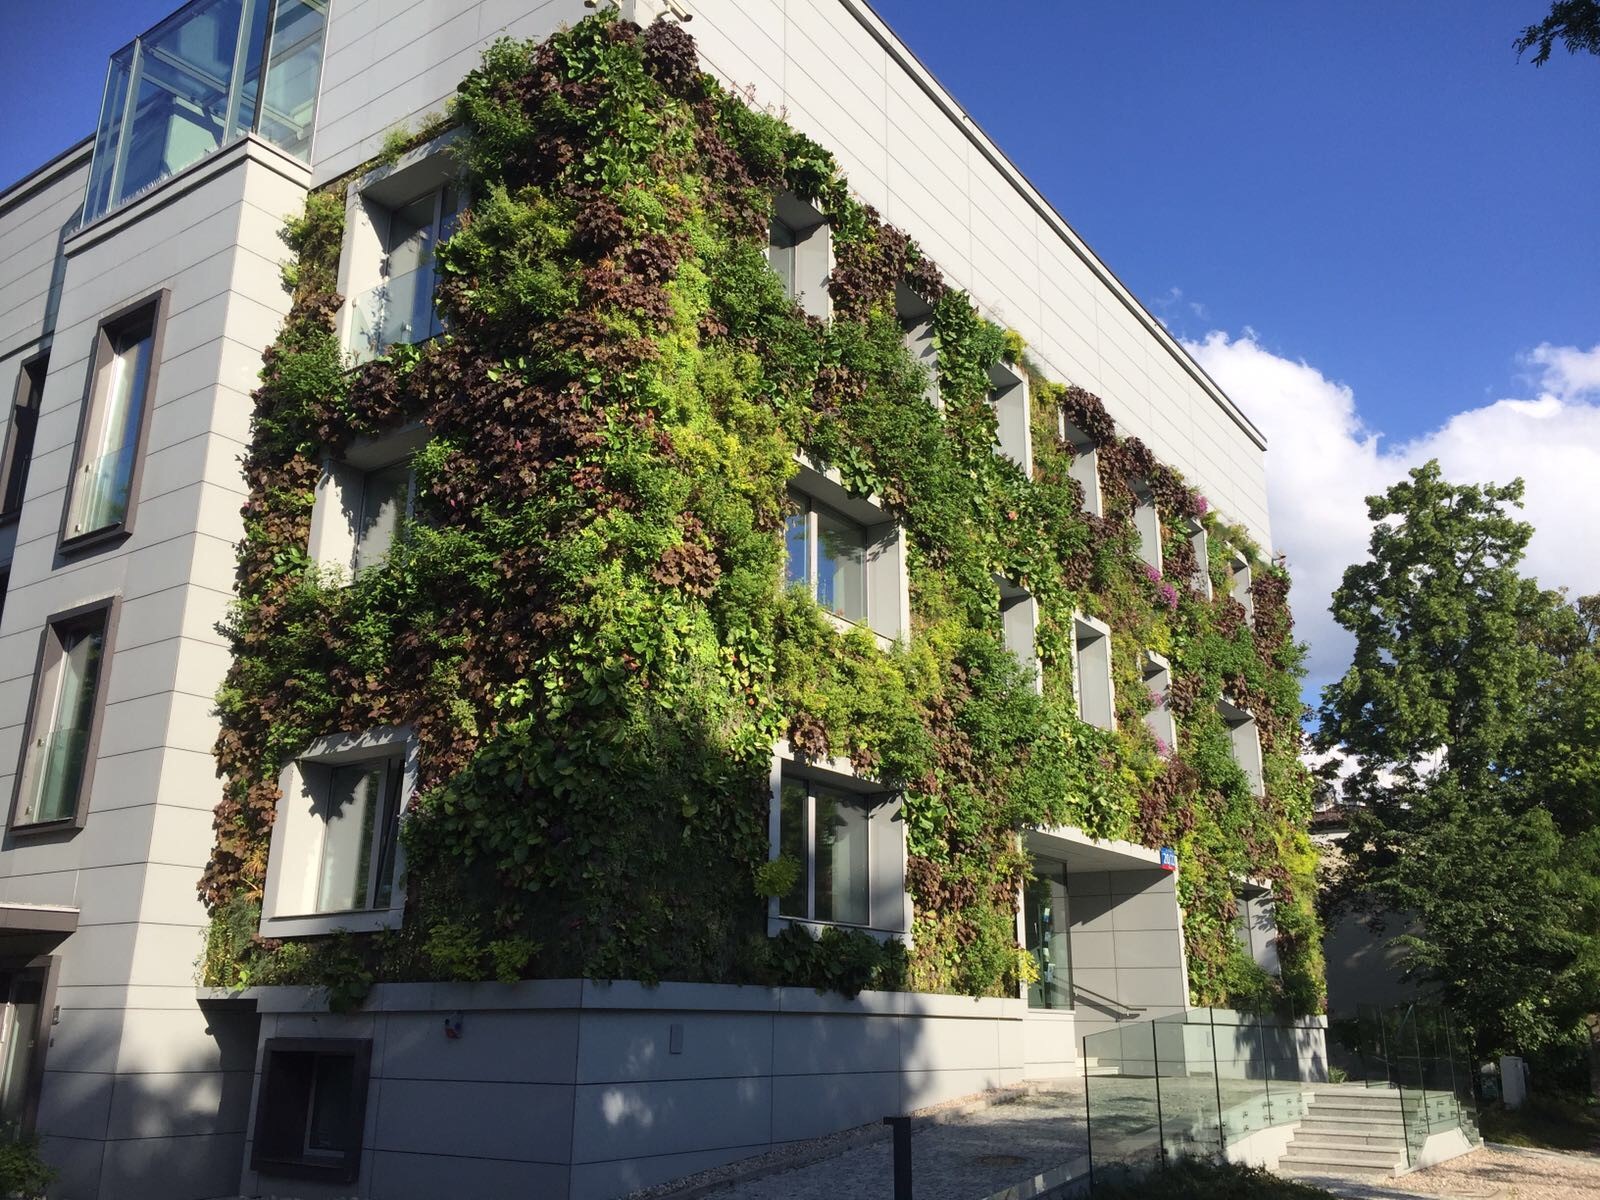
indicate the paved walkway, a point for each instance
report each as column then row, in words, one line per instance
column 966, row 1158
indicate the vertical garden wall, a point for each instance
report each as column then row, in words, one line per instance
column 585, row 620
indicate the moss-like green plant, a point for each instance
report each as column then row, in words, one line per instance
column 585, row 621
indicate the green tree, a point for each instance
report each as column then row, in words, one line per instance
column 1469, row 712
column 1575, row 23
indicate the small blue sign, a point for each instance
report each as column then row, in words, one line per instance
column 1169, row 859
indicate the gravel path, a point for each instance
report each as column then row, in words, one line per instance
column 968, row 1158
column 1491, row 1173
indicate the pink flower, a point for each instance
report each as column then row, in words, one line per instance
column 1162, row 749
column 1151, row 573
column 1170, row 595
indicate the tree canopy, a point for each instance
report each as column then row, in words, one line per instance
column 1470, row 711
column 1574, row 23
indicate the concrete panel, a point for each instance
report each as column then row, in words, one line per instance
column 806, row 1106
column 639, row 1120
column 1149, row 948
column 1152, row 910
column 1148, row 988
column 181, row 1104
column 644, row 1046
column 1091, row 950
column 525, row 1121
column 947, row 1045
column 510, row 1047
column 922, row 1088
column 821, row 1044
column 74, row 1104
column 161, row 1168
column 396, row 1175
column 603, row 1181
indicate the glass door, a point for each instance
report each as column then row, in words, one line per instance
column 1046, row 930
column 19, row 1026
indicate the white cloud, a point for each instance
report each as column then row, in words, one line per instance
column 1323, row 460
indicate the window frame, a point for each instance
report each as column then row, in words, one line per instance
column 1086, row 629
column 809, row 867
column 102, row 355
column 1156, row 672
column 1200, row 544
column 1085, row 465
column 1241, row 569
column 1009, row 398
column 888, row 616
column 28, row 397
column 1236, row 721
column 46, row 664
column 332, row 542
column 915, row 315
column 1147, row 524
column 812, row 249
column 1019, row 629
column 265, row 1156
column 299, row 835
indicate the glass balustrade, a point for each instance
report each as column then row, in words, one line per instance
column 209, row 74
column 57, row 764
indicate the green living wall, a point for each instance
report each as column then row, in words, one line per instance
column 585, row 624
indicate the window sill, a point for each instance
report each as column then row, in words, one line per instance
column 1053, row 1014
column 80, row 543
column 293, row 1168
column 845, row 625
column 10, row 518
column 41, row 829
column 321, row 924
column 776, row 925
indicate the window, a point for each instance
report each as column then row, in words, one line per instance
column 1008, row 396
column 798, row 247
column 19, row 437
column 334, row 857
column 1085, row 466
column 57, row 765
column 204, row 77
column 1239, row 585
column 848, row 838
column 1147, row 521
column 1019, row 623
column 1091, row 672
column 400, row 311
column 312, row 1108
column 846, row 553
column 363, row 501
column 1046, row 935
column 1245, row 742
column 1201, row 546
column 1159, row 721
column 916, row 318
column 111, row 431
column 1257, row 927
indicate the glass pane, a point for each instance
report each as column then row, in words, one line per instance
column 332, row 1093
column 181, row 100
column 841, row 893
column 792, row 844
column 289, row 109
column 1124, row 1108
column 107, row 135
column 355, row 793
column 780, row 253
column 841, row 565
column 24, row 420
column 385, row 494
column 103, row 482
column 794, row 541
column 60, row 753
column 21, row 1020
column 1046, row 925
column 388, row 833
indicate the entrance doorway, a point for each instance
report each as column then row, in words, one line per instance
column 1046, row 933
column 22, row 991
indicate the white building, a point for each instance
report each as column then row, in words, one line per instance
column 138, row 288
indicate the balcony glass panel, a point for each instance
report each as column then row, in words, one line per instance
column 194, row 83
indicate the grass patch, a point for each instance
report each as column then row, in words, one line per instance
column 1196, row 1179
column 1548, row 1122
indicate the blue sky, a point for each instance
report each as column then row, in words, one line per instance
column 1377, row 229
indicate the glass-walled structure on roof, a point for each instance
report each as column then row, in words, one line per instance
column 210, row 73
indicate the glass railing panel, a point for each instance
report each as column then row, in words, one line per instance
column 112, row 106
column 1186, row 1069
column 398, row 312
column 100, row 499
column 56, row 769
column 294, row 66
column 1123, row 1101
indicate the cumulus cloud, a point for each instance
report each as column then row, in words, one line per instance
column 1324, row 459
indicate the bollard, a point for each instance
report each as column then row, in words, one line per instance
column 902, row 1156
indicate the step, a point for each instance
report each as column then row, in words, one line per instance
column 1375, row 1159
column 1322, row 1167
column 1314, row 1124
column 1350, row 1141
column 1363, row 1103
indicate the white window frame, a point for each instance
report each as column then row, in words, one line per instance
column 1085, row 466
column 889, row 904
column 294, row 856
column 1244, row 740
column 1257, row 925
column 336, row 540
column 1147, row 521
column 1159, row 720
column 1241, row 574
column 1092, row 690
column 888, row 615
column 1019, row 627
column 1200, row 544
column 915, row 315
column 370, row 202
column 1008, row 396
column 810, row 255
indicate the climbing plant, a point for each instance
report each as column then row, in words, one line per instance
column 584, row 620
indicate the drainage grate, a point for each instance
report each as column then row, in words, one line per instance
column 1000, row 1160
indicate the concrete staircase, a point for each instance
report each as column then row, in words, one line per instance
column 1348, row 1131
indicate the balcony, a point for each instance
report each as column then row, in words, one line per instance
column 209, row 74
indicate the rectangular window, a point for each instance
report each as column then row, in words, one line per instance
column 1008, row 396
column 780, row 253
column 19, row 437
column 1091, row 672
column 111, row 431
column 386, row 496
column 312, row 1108
column 1147, row 522
column 1159, row 720
column 56, row 769
column 1019, row 627
column 360, row 811
column 825, row 830
column 1047, row 936
column 1244, row 740
column 800, row 254
column 1200, row 544
column 401, row 310
column 1085, row 466
column 1239, row 577
column 827, row 553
